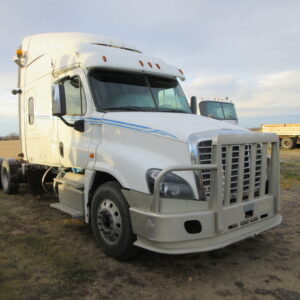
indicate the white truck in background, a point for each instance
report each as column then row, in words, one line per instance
column 109, row 130
column 221, row 109
column 289, row 134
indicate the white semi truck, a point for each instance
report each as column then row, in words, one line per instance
column 222, row 110
column 109, row 129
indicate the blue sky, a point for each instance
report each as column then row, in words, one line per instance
column 245, row 50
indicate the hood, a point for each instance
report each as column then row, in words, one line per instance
column 171, row 125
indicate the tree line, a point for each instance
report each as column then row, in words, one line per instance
column 10, row 137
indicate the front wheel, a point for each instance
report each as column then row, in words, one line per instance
column 111, row 223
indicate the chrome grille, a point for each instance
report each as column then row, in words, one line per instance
column 239, row 158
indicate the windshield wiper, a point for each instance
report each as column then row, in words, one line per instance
column 174, row 110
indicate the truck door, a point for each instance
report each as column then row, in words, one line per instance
column 73, row 146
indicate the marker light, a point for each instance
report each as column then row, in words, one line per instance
column 141, row 63
column 149, row 63
column 104, row 58
column 19, row 52
column 180, row 71
column 158, row 66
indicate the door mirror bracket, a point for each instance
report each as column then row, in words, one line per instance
column 77, row 125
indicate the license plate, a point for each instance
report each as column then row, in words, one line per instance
column 249, row 207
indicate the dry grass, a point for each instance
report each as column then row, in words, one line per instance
column 290, row 168
column 10, row 149
column 45, row 254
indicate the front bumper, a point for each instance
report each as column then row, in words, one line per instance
column 208, row 244
column 166, row 233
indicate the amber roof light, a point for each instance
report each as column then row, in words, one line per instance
column 19, row 52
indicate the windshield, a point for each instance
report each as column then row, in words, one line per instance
column 218, row 110
column 119, row 91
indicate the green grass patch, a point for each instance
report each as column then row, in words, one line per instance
column 290, row 174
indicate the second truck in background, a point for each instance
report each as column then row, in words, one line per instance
column 289, row 134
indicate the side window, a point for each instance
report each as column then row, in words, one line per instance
column 31, row 111
column 75, row 97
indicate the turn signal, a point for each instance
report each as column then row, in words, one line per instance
column 19, row 52
column 92, row 155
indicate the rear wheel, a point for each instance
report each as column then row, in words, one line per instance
column 9, row 176
column 111, row 224
column 0, row 173
column 287, row 143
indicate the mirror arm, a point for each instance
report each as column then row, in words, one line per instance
column 77, row 125
column 67, row 123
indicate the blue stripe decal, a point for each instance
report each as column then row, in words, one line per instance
column 43, row 117
column 121, row 124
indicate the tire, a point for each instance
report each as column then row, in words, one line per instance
column 111, row 223
column 0, row 173
column 287, row 143
column 9, row 176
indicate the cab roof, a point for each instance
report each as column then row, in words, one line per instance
column 60, row 50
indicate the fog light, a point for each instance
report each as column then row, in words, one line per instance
column 193, row 226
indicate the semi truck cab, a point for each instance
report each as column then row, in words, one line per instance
column 109, row 130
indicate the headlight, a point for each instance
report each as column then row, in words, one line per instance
column 171, row 185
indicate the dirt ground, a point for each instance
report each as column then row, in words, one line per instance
column 44, row 254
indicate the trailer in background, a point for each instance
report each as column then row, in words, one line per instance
column 289, row 134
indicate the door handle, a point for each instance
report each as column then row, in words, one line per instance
column 61, row 149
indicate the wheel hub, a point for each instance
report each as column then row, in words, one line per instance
column 106, row 219
column 109, row 221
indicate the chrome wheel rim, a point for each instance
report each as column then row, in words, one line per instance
column 4, row 179
column 109, row 221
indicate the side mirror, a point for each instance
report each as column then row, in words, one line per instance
column 194, row 105
column 79, row 125
column 58, row 100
